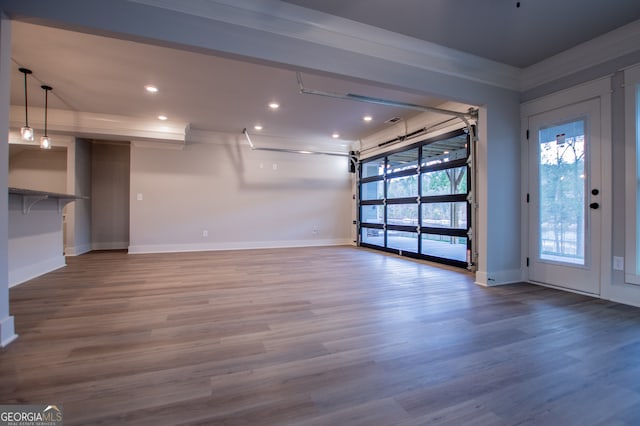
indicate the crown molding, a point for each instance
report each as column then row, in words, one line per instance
column 291, row 21
column 265, row 141
column 610, row 46
column 92, row 125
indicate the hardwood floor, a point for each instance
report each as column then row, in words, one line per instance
column 314, row 336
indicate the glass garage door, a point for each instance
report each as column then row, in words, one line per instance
column 413, row 202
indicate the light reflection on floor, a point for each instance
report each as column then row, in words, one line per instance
column 443, row 249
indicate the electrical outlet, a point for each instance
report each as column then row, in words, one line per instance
column 205, row 233
column 139, row 196
column 618, row 263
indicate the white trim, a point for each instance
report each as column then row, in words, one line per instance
column 524, row 188
column 617, row 43
column 622, row 297
column 20, row 275
column 287, row 20
column 606, row 193
column 568, row 290
column 7, row 331
column 177, row 248
column 78, row 250
column 266, row 141
column 601, row 89
column 572, row 95
column 89, row 124
column 498, row 278
column 631, row 82
column 110, row 245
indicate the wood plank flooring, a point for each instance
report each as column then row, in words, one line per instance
column 314, row 336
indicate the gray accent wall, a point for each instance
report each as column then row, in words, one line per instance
column 109, row 196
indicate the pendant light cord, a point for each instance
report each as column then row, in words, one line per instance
column 26, row 71
column 46, row 106
column 26, row 102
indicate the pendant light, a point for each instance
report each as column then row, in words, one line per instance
column 26, row 132
column 45, row 141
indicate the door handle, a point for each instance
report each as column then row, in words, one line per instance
column 594, row 206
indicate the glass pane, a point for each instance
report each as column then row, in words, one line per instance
column 402, row 161
column 372, row 190
column 454, row 248
column 445, row 215
column 406, row 186
column 405, row 241
column 562, row 190
column 444, row 151
column 373, row 168
column 445, row 182
column 372, row 236
column 402, row 214
column 372, row 214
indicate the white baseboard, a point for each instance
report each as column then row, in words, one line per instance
column 174, row 248
column 110, row 245
column 498, row 278
column 7, row 331
column 20, row 275
column 77, row 250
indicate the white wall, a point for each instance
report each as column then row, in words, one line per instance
column 7, row 331
column 78, row 213
column 499, row 195
column 38, row 169
column 35, row 239
column 109, row 196
column 243, row 198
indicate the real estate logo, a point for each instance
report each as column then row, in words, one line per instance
column 31, row 415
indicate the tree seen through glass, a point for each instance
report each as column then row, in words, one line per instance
column 562, row 189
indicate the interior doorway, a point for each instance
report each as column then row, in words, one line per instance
column 110, row 170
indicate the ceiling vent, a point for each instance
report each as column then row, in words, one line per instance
column 393, row 120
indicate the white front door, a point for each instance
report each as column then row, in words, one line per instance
column 564, row 197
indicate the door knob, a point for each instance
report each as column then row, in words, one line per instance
column 594, row 206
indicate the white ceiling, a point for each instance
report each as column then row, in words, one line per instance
column 493, row 29
column 91, row 73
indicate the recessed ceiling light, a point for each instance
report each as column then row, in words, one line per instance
column 257, row 127
column 274, row 105
column 151, row 88
column 367, row 118
column 335, row 135
column 162, row 117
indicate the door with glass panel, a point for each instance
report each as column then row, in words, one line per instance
column 564, row 197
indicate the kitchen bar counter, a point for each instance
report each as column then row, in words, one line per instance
column 35, row 233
